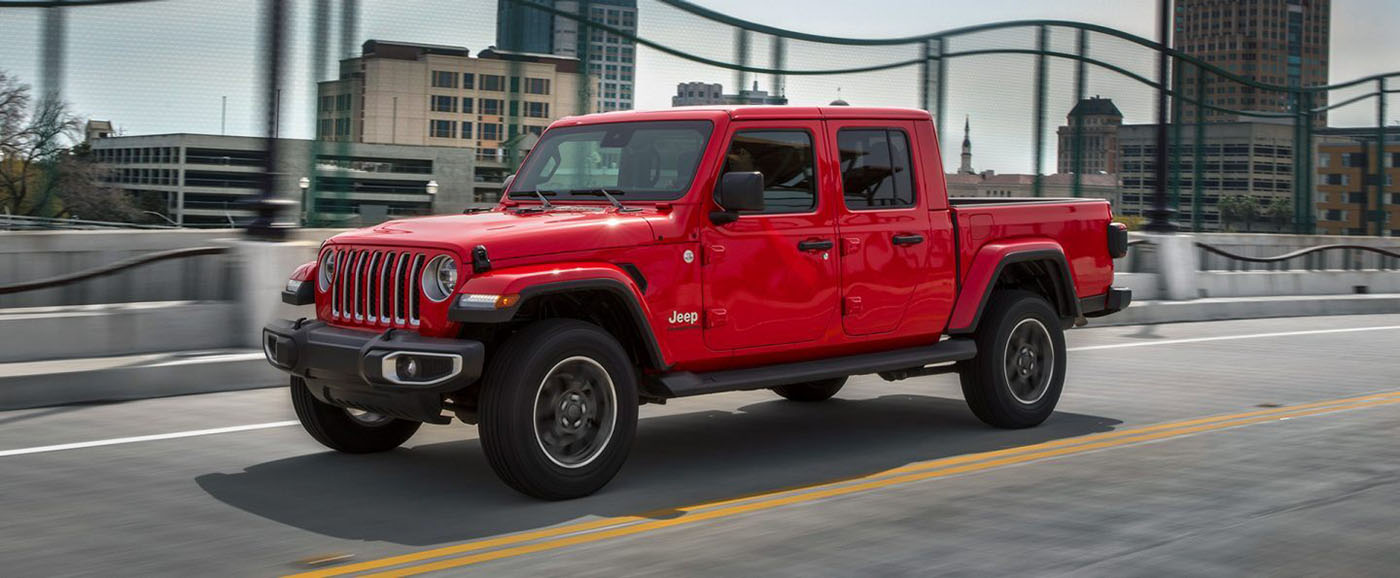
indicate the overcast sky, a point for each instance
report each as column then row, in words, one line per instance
column 163, row 66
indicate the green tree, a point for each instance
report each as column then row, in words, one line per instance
column 42, row 167
column 1280, row 212
column 1239, row 209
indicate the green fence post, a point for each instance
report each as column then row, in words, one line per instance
column 1080, row 82
column 1198, row 160
column 1381, row 216
column 741, row 56
column 942, row 88
column 779, row 62
column 1042, row 45
column 1176, row 138
column 926, row 77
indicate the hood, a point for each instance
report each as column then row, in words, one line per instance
column 510, row 234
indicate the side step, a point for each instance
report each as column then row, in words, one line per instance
column 685, row 383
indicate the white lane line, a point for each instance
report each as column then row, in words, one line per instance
column 1231, row 337
column 275, row 424
column 149, row 438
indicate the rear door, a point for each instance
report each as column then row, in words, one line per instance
column 770, row 278
column 882, row 223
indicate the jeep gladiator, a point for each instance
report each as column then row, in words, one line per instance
column 641, row 256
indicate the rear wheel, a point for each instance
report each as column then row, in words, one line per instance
column 820, row 390
column 347, row 430
column 558, row 409
column 1016, row 378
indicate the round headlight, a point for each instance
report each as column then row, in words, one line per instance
column 440, row 278
column 327, row 270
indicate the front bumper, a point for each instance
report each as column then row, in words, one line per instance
column 367, row 371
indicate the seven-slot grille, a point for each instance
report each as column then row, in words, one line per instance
column 377, row 287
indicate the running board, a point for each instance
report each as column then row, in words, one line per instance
column 685, row 383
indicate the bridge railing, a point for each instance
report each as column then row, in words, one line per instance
column 1014, row 81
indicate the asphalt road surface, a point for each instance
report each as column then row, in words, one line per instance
column 1223, row 448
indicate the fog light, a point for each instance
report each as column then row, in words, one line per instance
column 407, row 367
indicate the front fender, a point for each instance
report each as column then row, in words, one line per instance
column 518, row 285
column 986, row 267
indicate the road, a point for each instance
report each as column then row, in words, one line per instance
column 1222, row 448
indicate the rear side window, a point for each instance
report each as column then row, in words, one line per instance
column 875, row 169
column 789, row 168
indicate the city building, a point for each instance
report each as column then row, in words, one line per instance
column 704, row 93
column 201, row 180
column 1347, row 185
column 95, row 129
column 1279, row 42
column 611, row 58
column 965, row 167
column 991, row 184
column 1091, row 129
column 1242, row 158
column 969, row 183
column 428, row 95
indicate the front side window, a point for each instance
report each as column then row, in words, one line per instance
column 789, row 168
column 875, row 169
column 631, row 160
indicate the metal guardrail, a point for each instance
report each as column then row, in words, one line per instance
column 117, row 267
column 1315, row 258
column 29, row 223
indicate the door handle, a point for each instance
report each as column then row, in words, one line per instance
column 907, row 239
column 815, row 245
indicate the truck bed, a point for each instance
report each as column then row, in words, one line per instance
column 1078, row 225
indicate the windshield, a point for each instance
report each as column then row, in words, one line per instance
column 629, row 160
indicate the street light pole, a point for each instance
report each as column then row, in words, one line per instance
column 1160, row 216
column 264, row 226
column 305, row 185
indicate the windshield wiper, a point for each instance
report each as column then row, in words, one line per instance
column 544, row 200
column 608, row 195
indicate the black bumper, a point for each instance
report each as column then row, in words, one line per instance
column 1117, row 299
column 348, row 368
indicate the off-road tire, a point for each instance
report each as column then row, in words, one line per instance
column 336, row 429
column 511, row 393
column 985, row 382
column 820, row 390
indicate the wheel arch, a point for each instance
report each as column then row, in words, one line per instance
column 601, row 293
column 1039, row 266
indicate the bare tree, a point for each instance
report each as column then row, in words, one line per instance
column 40, row 172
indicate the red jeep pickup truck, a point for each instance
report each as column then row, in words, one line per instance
column 641, row 256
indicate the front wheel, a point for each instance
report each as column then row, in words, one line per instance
column 1016, row 378
column 347, row 430
column 558, row 409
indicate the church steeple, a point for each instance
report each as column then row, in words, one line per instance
column 966, row 168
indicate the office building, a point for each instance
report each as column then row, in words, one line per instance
column 206, row 180
column 706, row 94
column 496, row 103
column 611, row 58
column 1348, row 189
column 1243, row 158
column 1279, row 42
column 1091, row 130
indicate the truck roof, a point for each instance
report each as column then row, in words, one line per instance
column 750, row 112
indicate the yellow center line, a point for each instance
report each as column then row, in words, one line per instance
column 625, row 525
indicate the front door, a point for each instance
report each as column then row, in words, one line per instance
column 770, row 277
column 882, row 224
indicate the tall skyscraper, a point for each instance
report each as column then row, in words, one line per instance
column 1089, row 138
column 1282, row 42
column 611, row 58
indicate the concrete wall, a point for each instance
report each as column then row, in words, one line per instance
column 30, row 256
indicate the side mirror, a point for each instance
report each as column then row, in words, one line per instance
column 741, row 192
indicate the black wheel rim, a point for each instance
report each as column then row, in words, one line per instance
column 1030, row 361
column 575, row 412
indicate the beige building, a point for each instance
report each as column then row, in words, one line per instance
column 428, row 95
column 990, row 184
column 1240, row 158
column 1093, row 122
